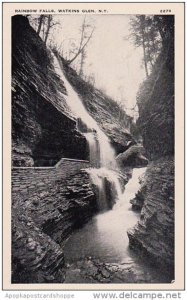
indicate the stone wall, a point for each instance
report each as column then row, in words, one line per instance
column 27, row 181
column 47, row 205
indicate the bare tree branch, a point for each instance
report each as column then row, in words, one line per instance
column 82, row 46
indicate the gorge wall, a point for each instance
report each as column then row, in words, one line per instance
column 154, row 233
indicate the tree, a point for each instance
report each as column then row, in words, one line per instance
column 86, row 34
column 165, row 26
column 49, row 24
column 43, row 24
column 82, row 61
column 40, row 22
column 145, row 33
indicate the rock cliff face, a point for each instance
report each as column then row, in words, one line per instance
column 156, row 105
column 154, row 233
column 138, row 201
column 43, row 128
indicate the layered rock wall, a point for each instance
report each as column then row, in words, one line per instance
column 47, row 205
column 154, row 233
column 43, row 127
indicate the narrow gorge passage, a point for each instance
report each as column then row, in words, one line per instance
column 99, row 252
column 101, row 246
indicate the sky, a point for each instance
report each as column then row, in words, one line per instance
column 114, row 61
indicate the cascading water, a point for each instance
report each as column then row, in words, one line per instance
column 94, row 149
column 102, row 155
column 108, row 230
column 108, row 187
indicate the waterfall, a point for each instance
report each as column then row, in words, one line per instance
column 108, row 187
column 101, row 154
column 94, row 149
column 109, row 241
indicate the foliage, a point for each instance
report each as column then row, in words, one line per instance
column 152, row 34
column 43, row 25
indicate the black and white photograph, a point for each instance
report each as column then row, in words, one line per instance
column 93, row 147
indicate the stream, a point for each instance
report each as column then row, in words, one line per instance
column 105, row 236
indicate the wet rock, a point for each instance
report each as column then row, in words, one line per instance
column 97, row 271
column 31, row 262
column 133, row 157
column 138, row 201
column 35, row 201
column 154, row 233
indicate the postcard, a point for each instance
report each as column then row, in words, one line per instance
column 93, row 146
